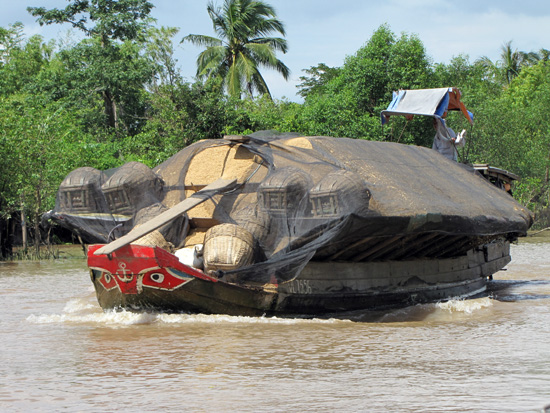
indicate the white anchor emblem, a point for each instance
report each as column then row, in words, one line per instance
column 125, row 278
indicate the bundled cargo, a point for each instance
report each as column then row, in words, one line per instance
column 279, row 224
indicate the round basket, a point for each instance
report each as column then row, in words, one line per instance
column 155, row 239
column 257, row 222
column 227, row 247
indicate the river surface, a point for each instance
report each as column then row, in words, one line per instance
column 60, row 352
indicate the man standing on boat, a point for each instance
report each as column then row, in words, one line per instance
column 446, row 140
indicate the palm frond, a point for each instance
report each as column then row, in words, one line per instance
column 276, row 43
column 265, row 27
column 246, row 65
column 283, row 69
column 260, row 85
column 233, row 81
column 265, row 56
column 201, row 40
column 209, row 60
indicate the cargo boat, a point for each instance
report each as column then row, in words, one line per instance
column 287, row 225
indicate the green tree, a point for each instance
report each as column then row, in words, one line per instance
column 350, row 103
column 10, row 38
column 508, row 67
column 40, row 144
column 107, row 19
column 512, row 132
column 470, row 78
column 242, row 47
column 247, row 116
column 21, row 60
column 160, row 50
column 178, row 115
column 511, row 63
column 114, row 28
column 105, row 85
column 532, row 58
column 316, row 79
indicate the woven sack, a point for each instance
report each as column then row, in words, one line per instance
column 256, row 221
column 155, row 239
column 227, row 247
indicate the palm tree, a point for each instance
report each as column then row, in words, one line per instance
column 509, row 65
column 532, row 58
column 512, row 61
column 242, row 46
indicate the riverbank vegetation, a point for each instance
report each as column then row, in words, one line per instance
column 117, row 95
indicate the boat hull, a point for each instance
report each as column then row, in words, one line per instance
column 140, row 278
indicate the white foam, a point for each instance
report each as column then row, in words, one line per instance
column 111, row 318
column 83, row 312
column 465, row 306
column 227, row 319
column 86, row 311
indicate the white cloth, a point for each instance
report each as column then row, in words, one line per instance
column 443, row 141
column 191, row 256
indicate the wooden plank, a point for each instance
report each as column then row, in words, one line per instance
column 198, row 197
column 343, row 251
column 392, row 248
column 456, row 247
column 441, row 245
column 413, row 245
column 428, row 247
column 496, row 172
column 381, row 246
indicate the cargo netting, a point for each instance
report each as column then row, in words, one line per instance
column 297, row 199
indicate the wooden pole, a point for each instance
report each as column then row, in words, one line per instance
column 547, row 175
column 23, row 225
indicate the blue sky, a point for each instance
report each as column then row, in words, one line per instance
column 326, row 31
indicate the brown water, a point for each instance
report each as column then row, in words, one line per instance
column 60, row 352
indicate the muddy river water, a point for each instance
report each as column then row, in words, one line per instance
column 60, row 352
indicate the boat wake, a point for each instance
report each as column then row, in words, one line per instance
column 85, row 311
column 79, row 311
column 465, row 306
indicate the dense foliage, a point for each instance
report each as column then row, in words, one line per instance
column 117, row 95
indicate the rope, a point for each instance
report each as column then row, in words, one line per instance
column 403, row 130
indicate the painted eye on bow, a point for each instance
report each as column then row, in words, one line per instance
column 157, row 277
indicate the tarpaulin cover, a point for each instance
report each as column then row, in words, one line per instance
column 303, row 198
column 425, row 102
